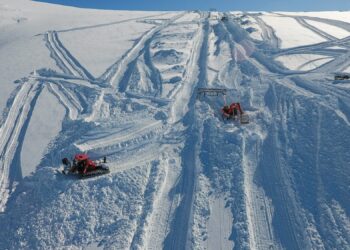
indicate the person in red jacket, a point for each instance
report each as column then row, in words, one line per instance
column 232, row 110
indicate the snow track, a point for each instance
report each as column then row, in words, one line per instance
column 144, row 131
column 12, row 131
column 63, row 57
column 269, row 34
column 73, row 111
column 314, row 29
column 112, row 23
column 115, row 72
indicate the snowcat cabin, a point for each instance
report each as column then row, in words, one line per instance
column 235, row 111
column 81, row 159
column 232, row 110
column 84, row 164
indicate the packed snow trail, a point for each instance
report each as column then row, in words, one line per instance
column 117, row 70
column 179, row 236
column 12, row 132
column 64, row 59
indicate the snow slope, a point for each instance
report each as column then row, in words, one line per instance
column 123, row 85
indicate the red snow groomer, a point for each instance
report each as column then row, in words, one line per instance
column 234, row 111
column 85, row 167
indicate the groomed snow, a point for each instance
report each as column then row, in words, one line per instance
column 331, row 15
column 219, row 225
column 303, row 62
column 45, row 124
column 293, row 36
column 109, row 44
column 330, row 29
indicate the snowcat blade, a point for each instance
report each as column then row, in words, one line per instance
column 95, row 173
column 244, row 119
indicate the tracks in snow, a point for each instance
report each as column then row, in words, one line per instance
column 145, row 141
column 115, row 72
column 12, row 133
column 319, row 32
column 120, row 138
column 180, row 232
column 64, row 58
column 269, row 34
column 111, row 23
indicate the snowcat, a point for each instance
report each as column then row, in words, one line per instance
column 234, row 111
column 83, row 166
column 224, row 18
column 341, row 76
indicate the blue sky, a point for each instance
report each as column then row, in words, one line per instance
column 222, row 5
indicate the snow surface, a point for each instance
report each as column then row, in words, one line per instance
column 330, row 15
column 303, row 61
column 330, row 29
column 296, row 35
column 123, row 84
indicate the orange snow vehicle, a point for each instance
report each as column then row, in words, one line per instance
column 234, row 111
column 84, row 166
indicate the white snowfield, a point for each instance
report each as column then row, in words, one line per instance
column 123, row 84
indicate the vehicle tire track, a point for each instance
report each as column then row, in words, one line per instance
column 64, row 58
column 286, row 222
column 117, row 139
column 285, row 219
column 72, row 110
column 111, row 23
column 337, row 23
column 116, row 71
column 259, row 222
column 318, row 47
column 339, row 64
column 12, row 130
column 180, row 230
column 317, row 31
column 269, row 35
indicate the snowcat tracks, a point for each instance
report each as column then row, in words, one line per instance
column 94, row 173
column 244, row 119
